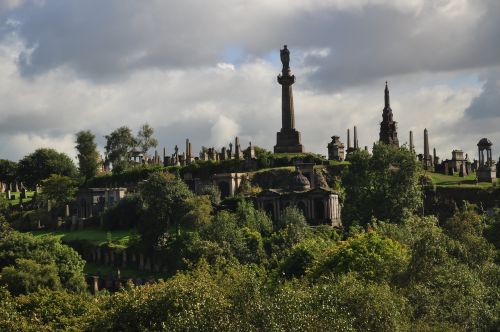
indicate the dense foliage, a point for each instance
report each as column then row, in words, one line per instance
column 383, row 185
column 88, row 156
column 42, row 163
column 414, row 275
column 234, row 269
column 30, row 263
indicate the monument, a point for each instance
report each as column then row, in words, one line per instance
column 486, row 171
column 288, row 138
column 388, row 127
column 427, row 161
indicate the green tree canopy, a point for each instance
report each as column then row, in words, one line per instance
column 119, row 147
column 42, row 163
column 384, row 185
column 88, row 156
column 164, row 197
column 59, row 188
column 145, row 139
column 8, row 171
column 25, row 254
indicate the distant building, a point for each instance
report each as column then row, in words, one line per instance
column 320, row 205
column 93, row 201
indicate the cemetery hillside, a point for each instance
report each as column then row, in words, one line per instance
column 247, row 241
column 153, row 177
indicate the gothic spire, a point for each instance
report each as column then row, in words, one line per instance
column 387, row 103
column 388, row 127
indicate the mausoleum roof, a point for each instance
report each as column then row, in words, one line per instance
column 484, row 142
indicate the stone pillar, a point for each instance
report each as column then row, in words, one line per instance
column 95, row 284
column 427, row 157
column 348, row 139
column 355, row 138
column 288, row 138
column 412, row 148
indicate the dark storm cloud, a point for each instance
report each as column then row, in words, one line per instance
column 103, row 40
column 486, row 106
column 381, row 41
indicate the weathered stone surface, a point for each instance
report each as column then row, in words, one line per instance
column 288, row 138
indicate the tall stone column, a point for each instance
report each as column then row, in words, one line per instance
column 427, row 156
column 288, row 138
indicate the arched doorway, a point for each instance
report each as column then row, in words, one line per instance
column 224, row 189
column 319, row 209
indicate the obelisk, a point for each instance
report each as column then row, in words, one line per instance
column 288, row 138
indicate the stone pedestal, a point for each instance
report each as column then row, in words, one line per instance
column 486, row 173
column 288, row 141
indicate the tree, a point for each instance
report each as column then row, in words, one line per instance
column 28, row 276
column 164, row 198
column 213, row 192
column 384, row 185
column 8, row 171
column 16, row 248
column 199, row 212
column 119, row 147
column 145, row 139
column 88, row 157
column 59, row 188
column 372, row 256
column 42, row 163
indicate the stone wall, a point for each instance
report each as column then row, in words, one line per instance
column 442, row 201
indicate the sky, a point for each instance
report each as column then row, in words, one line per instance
column 206, row 70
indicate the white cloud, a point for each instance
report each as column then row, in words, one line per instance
column 73, row 65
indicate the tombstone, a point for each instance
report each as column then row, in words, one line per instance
column 8, row 194
column 95, row 284
column 462, row 172
column 66, row 211
column 59, row 222
column 49, row 205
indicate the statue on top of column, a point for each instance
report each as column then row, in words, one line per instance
column 285, row 59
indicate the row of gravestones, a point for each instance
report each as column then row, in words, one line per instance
column 123, row 259
column 113, row 283
column 10, row 196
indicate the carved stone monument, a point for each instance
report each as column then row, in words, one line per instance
column 486, row 171
column 388, row 127
column 288, row 138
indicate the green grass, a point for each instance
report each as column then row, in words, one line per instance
column 291, row 168
column 29, row 196
column 439, row 179
column 120, row 238
column 335, row 162
column 103, row 270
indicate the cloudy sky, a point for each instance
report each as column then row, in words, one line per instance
column 206, row 70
